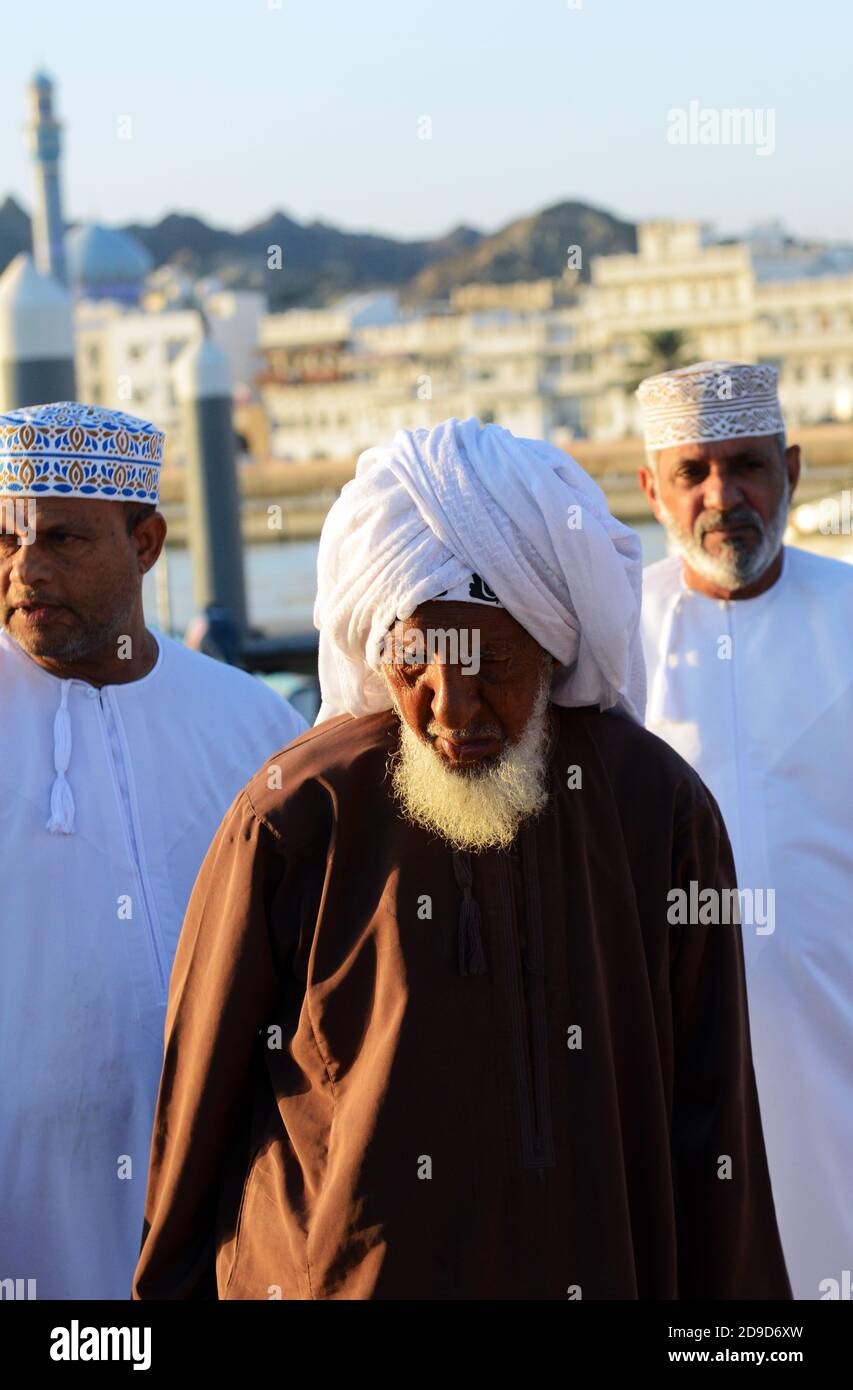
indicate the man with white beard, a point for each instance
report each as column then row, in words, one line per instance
column 475, row 804
column 750, row 671
column 431, row 1034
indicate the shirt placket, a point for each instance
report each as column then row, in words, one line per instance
column 739, row 831
column 125, row 791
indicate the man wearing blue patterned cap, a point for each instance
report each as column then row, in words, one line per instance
column 122, row 751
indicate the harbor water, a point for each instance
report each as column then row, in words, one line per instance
column 281, row 582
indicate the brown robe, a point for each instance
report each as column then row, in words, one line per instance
column 372, row 1086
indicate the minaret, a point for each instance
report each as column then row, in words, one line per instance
column 48, row 228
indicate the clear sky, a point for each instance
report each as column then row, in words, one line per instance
column 239, row 107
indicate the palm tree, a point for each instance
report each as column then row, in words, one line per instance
column 664, row 349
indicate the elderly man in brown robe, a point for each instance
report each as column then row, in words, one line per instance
column 445, row 1021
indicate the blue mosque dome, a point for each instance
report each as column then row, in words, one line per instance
column 106, row 264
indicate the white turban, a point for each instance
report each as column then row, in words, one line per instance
column 425, row 511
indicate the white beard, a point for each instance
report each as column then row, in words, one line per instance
column 734, row 567
column 483, row 806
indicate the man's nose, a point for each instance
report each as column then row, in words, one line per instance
column 722, row 491
column 455, row 699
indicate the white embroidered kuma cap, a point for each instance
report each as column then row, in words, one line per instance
column 710, row 401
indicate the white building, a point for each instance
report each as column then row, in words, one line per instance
column 124, row 361
column 124, row 355
column 334, row 382
column 677, row 280
column 805, row 328
column 549, row 359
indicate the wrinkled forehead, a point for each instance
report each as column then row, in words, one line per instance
column 52, row 513
column 457, row 633
column 720, row 451
column 491, row 623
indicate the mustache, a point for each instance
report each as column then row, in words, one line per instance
column 469, row 734
column 708, row 521
column 29, row 600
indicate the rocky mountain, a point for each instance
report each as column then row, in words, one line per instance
column 530, row 248
column 320, row 262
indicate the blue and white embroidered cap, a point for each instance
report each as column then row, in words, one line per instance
column 67, row 449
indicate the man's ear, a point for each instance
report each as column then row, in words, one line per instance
column 792, row 465
column 648, row 482
column 149, row 536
